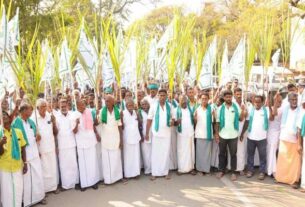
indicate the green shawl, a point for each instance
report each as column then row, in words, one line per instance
column 18, row 124
column 222, row 116
column 104, row 114
column 157, row 116
column 265, row 119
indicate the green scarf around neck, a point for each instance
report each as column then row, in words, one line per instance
column 104, row 114
column 209, row 122
column 303, row 127
column 157, row 116
column 15, row 144
column 18, row 124
column 222, row 116
column 265, row 119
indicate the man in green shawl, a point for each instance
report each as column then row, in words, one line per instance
column 226, row 132
column 12, row 163
column 160, row 119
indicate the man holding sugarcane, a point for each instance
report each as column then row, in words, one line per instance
column 34, row 191
column 12, row 163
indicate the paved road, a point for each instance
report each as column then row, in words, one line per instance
column 182, row 191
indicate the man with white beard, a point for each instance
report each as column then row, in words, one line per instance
column 34, row 191
column 46, row 125
column 68, row 166
column 86, row 140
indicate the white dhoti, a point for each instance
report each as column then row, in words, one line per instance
column 215, row 152
column 68, row 168
column 11, row 187
column 49, row 170
column 131, row 160
column 241, row 154
column 33, row 183
column 99, row 157
column 160, row 152
column 112, row 165
column 272, row 147
column 173, row 163
column 186, row 153
column 88, row 166
column 146, row 156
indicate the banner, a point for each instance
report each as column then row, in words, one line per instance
column 49, row 69
column 64, row 60
column 206, row 75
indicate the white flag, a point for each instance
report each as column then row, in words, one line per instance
column 88, row 53
column 64, row 60
column 3, row 33
column 108, row 73
column 225, row 72
column 49, row 69
column 167, row 36
column 238, row 61
column 206, row 74
column 275, row 58
column 13, row 30
column 193, row 73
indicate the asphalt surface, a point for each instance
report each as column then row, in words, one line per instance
column 182, row 191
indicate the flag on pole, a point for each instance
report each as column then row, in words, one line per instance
column 64, row 59
column 3, row 33
column 206, row 75
column 238, row 61
column 167, row 36
column 275, row 58
column 49, row 69
column 108, row 73
column 225, row 72
column 13, row 31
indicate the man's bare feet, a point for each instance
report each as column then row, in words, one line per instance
column 193, row 172
column 220, row 175
column 168, row 177
column 43, row 202
column 152, row 178
column 233, row 177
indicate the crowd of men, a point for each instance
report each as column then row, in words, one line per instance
column 79, row 139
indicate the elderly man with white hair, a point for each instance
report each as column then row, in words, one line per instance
column 47, row 147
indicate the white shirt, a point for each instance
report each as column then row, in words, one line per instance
column 65, row 136
column 187, row 129
column 31, row 149
column 201, row 126
column 84, row 138
column 110, row 132
column 144, row 123
column 164, row 130
column 288, row 131
column 45, row 129
column 151, row 101
column 258, row 132
column 131, row 132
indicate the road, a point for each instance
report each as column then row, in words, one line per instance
column 182, row 191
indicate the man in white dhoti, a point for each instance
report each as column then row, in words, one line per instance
column 86, row 141
column 34, row 191
column 67, row 156
column 241, row 154
column 160, row 119
column 146, row 144
column 112, row 141
column 12, row 163
column 274, row 136
column 131, row 138
column 46, row 125
column 184, row 121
